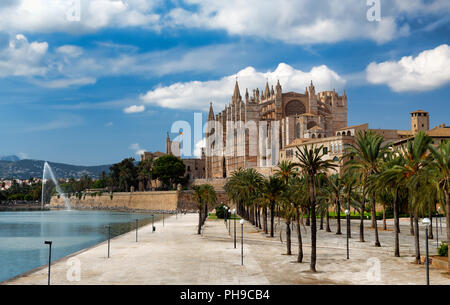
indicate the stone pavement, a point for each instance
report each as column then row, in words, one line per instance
column 174, row 254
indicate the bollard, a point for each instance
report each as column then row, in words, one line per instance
column 153, row 223
column 47, row 242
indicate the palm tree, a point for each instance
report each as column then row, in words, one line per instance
column 440, row 168
column 310, row 160
column 285, row 170
column 336, row 186
column 414, row 174
column 272, row 192
column 204, row 194
column 366, row 156
column 297, row 193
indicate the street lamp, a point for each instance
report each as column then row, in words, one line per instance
column 440, row 219
column 225, row 216
column 347, row 212
column 242, row 241
column 109, row 237
column 229, row 222
column 47, row 242
column 137, row 226
column 234, row 212
column 427, row 222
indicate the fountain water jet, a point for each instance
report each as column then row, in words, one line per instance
column 46, row 174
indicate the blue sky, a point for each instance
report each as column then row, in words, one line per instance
column 98, row 89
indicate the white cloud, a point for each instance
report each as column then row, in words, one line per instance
column 70, row 50
column 137, row 149
column 198, row 148
column 22, row 58
column 304, row 21
column 64, row 83
column 134, row 109
column 426, row 71
column 54, row 16
column 197, row 94
column 292, row 21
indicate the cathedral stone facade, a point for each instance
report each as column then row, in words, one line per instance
column 251, row 132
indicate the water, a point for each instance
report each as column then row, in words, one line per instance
column 22, row 235
column 46, row 174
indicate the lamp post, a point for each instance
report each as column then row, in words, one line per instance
column 427, row 222
column 225, row 216
column 437, row 230
column 137, row 226
column 153, row 223
column 347, row 213
column 234, row 212
column 109, row 237
column 440, row 219
column 242, row 242
column 229, row 222
column 47, row 242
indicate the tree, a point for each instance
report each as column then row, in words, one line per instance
column 144, row 172
column 310, row 160
column 440, row 170
column 204, row 194
column 366, row 156
column 272, row 192
column 414, row 175
column 168, row 169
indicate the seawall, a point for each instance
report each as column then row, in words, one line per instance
column 168, row 201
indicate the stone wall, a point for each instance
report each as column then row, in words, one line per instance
column 139, row 201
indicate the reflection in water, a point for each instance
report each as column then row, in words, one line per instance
column 22, row 235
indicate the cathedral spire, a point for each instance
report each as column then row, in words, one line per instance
column 236, row 94
column 267, row 91
column 211, row 113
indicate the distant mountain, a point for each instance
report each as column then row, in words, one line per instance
column 24, row 169
column 9, row 158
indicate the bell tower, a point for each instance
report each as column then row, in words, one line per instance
column 420, row 120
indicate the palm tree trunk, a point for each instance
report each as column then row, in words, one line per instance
column 411, row 222
column 374, row 216
column 308, row 218
column 259, row 217
column 338, row 215
column 384, row 219
column 328, row 221
column 265, row 219
column 288, row 238
column 416, row 238
column 199, row 222
column 312, row 196
column 396, row 225
column 272, row 217
column 299, row 237
column 430, row 229
column 321, row 221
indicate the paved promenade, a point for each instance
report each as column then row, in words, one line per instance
column 174, row 254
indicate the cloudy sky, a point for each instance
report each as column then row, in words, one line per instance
column 94, row 81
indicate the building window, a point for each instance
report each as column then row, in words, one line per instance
column 297, row 131
column 325, row 150
column 189, row 169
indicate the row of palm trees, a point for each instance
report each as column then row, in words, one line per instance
column 413, row 177
column 204, row 195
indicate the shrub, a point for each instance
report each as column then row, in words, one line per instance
column 220, row 210
column 443, row 249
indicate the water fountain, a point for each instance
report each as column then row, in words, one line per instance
column 46, row 175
